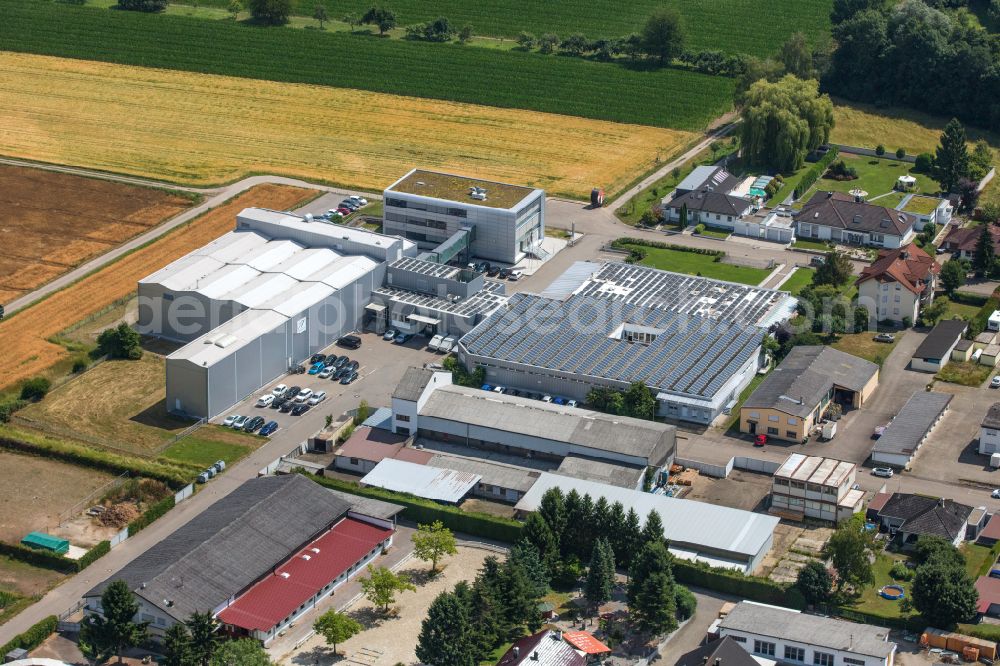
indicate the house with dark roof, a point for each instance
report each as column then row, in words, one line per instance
column 907, row 517
column 546, row 648
column 963, row 240
column 257, row 559
column 848, row 220
column 791, row 401
column 710, row 196
column 935, row 350
column 898, row 283
column 721, row 652
column 989, row 431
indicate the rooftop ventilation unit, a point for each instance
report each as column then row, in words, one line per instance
column 315, row 550
column 306, row 558
column 477, row 193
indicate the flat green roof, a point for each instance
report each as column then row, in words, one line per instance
column 921, row 205
column 457, row 188
column 46, row 542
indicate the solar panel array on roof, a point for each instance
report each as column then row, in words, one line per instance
column 485, row 300
column 692, row 355
column 425, row 267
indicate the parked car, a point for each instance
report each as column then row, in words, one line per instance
column 885, row 472
column 229, row 420
column 300, row 409
column 448, row 344
column 341, row 361
column 995, row 494
column 349, row 341
column 240, row 421
column 279, row 390
column 361, row 201
column 505, row 273
column 316, row 358
column 269, row 428
column 254, row 424
column 344, row 212
column 760, row 440
column 317, row 397
column 499, row 389
column 326, row 372
column 558, row 401
column 435, row 342
column 347, row 379
column 885, row 337
column 353, row 365
column 265, row 400
column 390, row 334
column 278, row 402
column 304, row 395
column 995, row 382
column 572, row 403
column 486, row 387
column 347, row 203
column 816, row 261
column 292, row 392
column 546, row 398
column 316, row 368
column 494, row 271
column 402, row 338
column 287, row 406
column 515, row 275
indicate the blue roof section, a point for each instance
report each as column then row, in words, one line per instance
column 380, row 418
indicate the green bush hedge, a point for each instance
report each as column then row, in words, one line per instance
column 965, row 298
column 421, row 510
column 914, row 623
column 33, row 637
column 815, row 171
column 979, row 321
column 43, row 559
column 737, row 584
column 78, row 454
column 94, row 554
column 621, row 243
column 150, row 514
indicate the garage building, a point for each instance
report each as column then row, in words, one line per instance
column 901, row 439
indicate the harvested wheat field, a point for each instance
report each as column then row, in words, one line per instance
column 53, row 222
column 23, row 337
column 206, row 129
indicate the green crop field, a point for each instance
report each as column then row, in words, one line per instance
column 755, row 27
column 664, row 97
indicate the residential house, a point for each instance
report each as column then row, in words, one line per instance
column 815, row 487
column 963, row 240
column 898, row 283
column 935, row 351
column 989, row 431
column 723, row 651
column 546, row 648
column 708, row 207
column 367, row 447
column 842, row 218
column 792, row 637
column 791, row 401
column 908, row 516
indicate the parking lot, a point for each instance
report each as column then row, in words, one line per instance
column 381, row 366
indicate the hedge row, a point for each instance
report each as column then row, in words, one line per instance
column 33, row 637
column 421, row 510
column 620, row 244
column 815, row 171
column 731, row 582
column 45, row 559
column 965, row 298
column 914, row 623
column 980, row 320
column 150, row 514
column 77, row 454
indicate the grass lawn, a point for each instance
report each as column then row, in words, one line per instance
column 921, row 205
column 870, row 601
column 966, row 374
column 960, row 310
column 716, row 233
column 704, row 265
column 863, row 345
column 875, row 176
column 202, row 452
column 811, row 245
column 798, row 280
column 978, row 559
column 890, row 200
column 733, row 424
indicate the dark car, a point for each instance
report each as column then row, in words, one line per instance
column 494, row 271
column 278, row 402
column 505, row 273
column 300, row 409
column 254, row 424
column 347, row 203
column 286, row 407
column 269, row 428
column 316, row 358
column 347, row 379
column 353, row 365
column 340, row 362
column 349, row 341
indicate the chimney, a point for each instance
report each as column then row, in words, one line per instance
column 857, row 198
column 516, row 651
column 718, row 661
column 941, row 501
column 534, row 655
column 704, row 659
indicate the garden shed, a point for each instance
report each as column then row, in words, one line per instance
column 43, row 541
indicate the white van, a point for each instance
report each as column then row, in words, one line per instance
column 435, row 343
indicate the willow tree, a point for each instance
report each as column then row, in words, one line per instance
column 783, row 121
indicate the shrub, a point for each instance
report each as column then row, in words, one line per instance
column 33, row 637
column 94, row 554
column 79, row 365
column 271, row 12
column 815, row 171
column 624, row 242
column 35, row 389
column 900, row 153
column 699, row 574
column 8, row 407
column 140, row 5
column 700, row 228
column 900, row 571
column 526, row 41
column 120, row 342
column 420, row 510
column 151, row 514
column 685, row 601
column 840, row 171
column 924, row 163
column 547, row 43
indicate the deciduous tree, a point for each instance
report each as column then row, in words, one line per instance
column 835, row 270
column 850, row 550
column 663, row 35
column 270, row 12
column 381, row 586
column 783, row 121
column 814, row 582
column 120, row 342
column 432, row 542
column 382, row 18
column 321, row 15
column 242, row 652
column 944, row 594
column 952, row 276
column 796, row 56
column 114, row 631
column 336, row 627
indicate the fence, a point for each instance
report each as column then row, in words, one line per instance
column 103, row 490
column 986, row 179
column 273, row 465
column 184, row 493
column 183, row 433
column 117, row 539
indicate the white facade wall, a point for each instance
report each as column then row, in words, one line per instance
column 775, row 648
column 804, row 229
column 891, row 300
column 989, row 440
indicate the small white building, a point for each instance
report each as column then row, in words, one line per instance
column 792, row 637
column 989, row 431
column 815, row 487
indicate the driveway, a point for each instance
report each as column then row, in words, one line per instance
column 692, row 634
